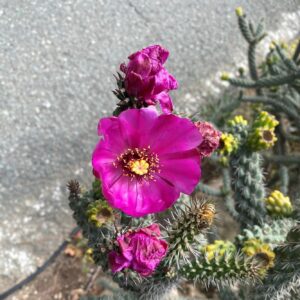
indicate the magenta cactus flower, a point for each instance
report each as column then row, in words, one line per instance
column 145, row 160
column 147, row 79
column 210, row 138
column 141, row 251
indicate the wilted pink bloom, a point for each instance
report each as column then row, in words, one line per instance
column 144, row 160
column 210, row 138
column 141, row 251
column 147, row 79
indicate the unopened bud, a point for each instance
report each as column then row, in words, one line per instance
column 239, row 11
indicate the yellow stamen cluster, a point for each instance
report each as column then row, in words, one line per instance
column 228, row 144
column 138, row 163
column 218, row 249
column 139, row 167
column 99, row 213
column 238, row 120
column 262, row 135
column 257, row 247
column 278, row 205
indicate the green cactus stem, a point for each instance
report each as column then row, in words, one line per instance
column 185, row 228
column 247, row 175
column 223, row 269
column 274, row 233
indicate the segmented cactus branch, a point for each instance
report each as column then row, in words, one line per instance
column 248, row 187
column 284, row 160
column 223, row 269
column 184, row 230
column 273, row 233
column 283, row 281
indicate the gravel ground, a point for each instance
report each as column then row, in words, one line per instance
column 57, row 61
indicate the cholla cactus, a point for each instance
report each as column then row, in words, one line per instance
column 144, row 161
column 248, row 187
column 224, row 269
column 278, row 205
column 186, row 227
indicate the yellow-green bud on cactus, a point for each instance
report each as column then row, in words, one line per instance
column 262, row 134
column 218, row 248
column 265, row 120
column 239, row 11
column 223, row 160
column 238, row 120
column 262, row 139
column 284, row 45
column 257, row 247
column 88, row 256
column 228, row 144
column 225, row 76
column 99, row 213
column 292, row 47
column 272, row 45
column 278, row 205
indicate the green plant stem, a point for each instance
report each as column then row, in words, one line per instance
column 291, row 137
column 245, row 30
column 266, row 81
column 252, row 61
column 283, row 159
column 206, row 189
column 290, row 64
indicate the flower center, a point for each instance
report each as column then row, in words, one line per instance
column 138, row 163
column 268, row 136
column 139, row 167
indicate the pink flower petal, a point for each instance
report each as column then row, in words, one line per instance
column 121, row 194
column 173, row 84
column 125, row 247
column 182, row 169
column 154, row 197
column 153, row 229
column 117, row 262
column 136, row 124
column 164, row 81
column 165, row 102
column 140, row 64
column 157, row 52
column 174, row 134
column 109, row 128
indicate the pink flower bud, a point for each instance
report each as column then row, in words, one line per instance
column 210, row 138
column 147, row 79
